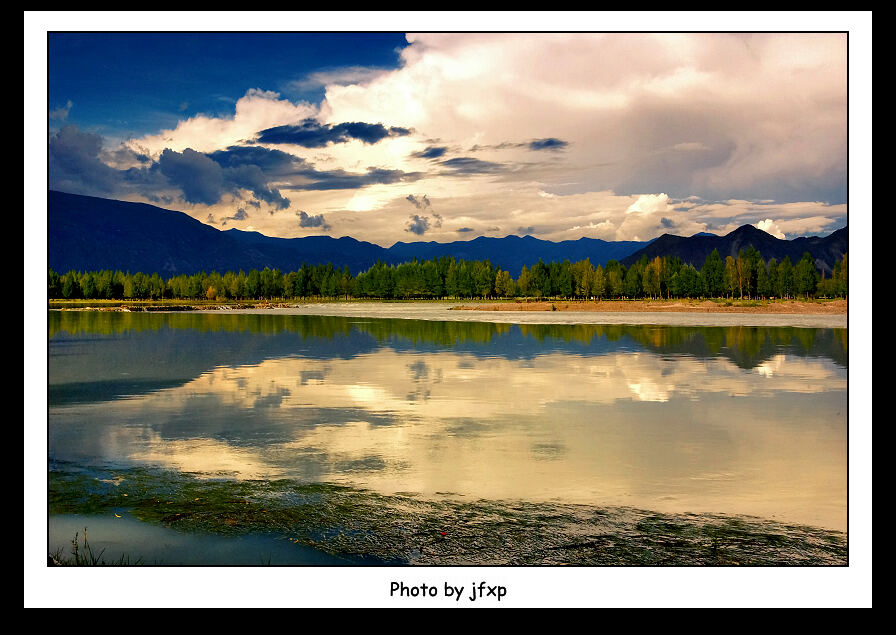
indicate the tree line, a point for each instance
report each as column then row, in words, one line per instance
column 746, row 276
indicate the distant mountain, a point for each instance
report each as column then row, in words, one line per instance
column 694, row 249
column 512, row 252
column 91, row 234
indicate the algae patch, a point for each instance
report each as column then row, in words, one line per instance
column 369, row 527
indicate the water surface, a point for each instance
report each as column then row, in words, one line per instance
column 736, row 421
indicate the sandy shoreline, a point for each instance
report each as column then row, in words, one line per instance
column 789, row 307
column 831, row 314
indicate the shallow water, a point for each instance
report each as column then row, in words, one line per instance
column 731, row 421
column 120, row 538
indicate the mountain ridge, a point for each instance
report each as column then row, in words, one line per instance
column 825, row 250
column 90, row 234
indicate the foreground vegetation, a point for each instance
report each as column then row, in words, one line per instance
column 82, row 555
column 746, row 277
column 405, row 528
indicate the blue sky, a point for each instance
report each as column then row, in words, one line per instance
column 133, row 84
column 389, row 136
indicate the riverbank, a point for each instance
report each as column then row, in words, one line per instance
column 777, row 307
column 812, row 314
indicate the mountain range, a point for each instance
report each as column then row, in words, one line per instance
column 91, row 234
column 826, row 251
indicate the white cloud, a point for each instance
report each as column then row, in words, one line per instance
column 771, row 227
column 649, row 204
column 750, row 117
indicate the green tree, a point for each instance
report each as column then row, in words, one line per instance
column 713, row 273
column 805, row 276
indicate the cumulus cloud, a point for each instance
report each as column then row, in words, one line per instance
column 203, row 180
column 316, row 221
column 75, row 164
column 769, row 226
column 417, row 225
column 649, row 203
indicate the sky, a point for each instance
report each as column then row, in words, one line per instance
column 403, row 136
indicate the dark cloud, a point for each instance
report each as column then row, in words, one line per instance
column 305, row 220
column 464, row 230
column 547, row 144
column 204, row 180
column 422, row 203
column 470, row 165
column 200, row 179
column 525, row 230
column 342, row 180
column 250, row 177
column 273, row 162
column 493, row 229
column 432, row 152
column 311, row 134
column 75, row 166
column 240, row 214
column 74, row 163
column 417, row 225
column 667, row 222
column 419, row 203
column 211, row 220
